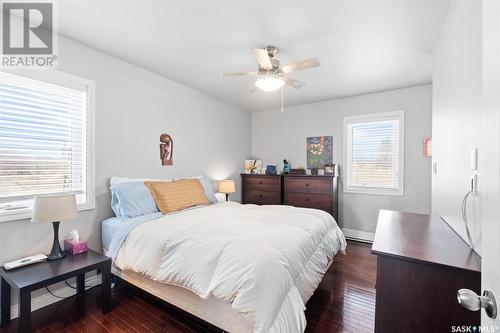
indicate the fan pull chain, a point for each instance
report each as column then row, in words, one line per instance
column 282, row 99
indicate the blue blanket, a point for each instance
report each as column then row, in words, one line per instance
column 125, row 228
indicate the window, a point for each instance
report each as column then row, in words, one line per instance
column 46, row 143
column 374, row 153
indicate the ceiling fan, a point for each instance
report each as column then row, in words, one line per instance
column 271, row 75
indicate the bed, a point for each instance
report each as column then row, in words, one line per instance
column 242, row 268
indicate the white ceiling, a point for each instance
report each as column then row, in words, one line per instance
column 363, row 46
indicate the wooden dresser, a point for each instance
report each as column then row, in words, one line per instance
column 421, row 264
column 262, row 189
column 318, row 192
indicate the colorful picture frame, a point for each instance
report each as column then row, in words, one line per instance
column 319, row 151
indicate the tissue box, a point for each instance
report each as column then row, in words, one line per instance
column 73, row 247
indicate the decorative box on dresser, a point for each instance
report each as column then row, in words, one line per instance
column 307, row 191
column 421, row 264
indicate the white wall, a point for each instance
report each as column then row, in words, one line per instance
column 133, row 107
column 490, row 265
column 456, row 119
column 277, row 135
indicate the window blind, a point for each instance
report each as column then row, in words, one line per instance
column 374, row 154
column 42, row 139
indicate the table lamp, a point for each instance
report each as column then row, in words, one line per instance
column 226, row 186
column 54, row 209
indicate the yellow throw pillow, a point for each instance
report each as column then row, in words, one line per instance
column 177, row 195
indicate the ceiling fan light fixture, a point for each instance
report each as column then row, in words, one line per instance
column 270, row 83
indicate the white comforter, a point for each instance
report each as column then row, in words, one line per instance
column 258, row 258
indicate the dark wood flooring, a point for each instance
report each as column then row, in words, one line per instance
column 344, row 302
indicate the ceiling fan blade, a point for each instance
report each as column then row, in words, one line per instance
column 292, row 82
column 240, row 74
column 300, row 65
column 263, row 59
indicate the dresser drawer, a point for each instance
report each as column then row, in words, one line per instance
column 318, row 201
column 270, row 184
column 261, row 197
column 308, row 185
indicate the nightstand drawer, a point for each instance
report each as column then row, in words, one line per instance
column 308, row 185
column 261, row 197
column 318, row 201
column 270, row 184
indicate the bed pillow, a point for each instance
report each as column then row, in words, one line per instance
column 132, row 199
column 173, row 196
column 208, row 188
column 118, row 180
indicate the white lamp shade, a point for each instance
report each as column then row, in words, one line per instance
column 269, row 83
column 226, row 186
column 54, row 208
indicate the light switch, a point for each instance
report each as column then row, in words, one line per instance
column 473, row 159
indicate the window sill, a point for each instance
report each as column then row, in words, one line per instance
column 23, row 214
column 375, row 191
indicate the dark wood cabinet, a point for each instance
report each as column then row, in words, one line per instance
column 421, row 264
column 262, row 189
column 318, row 192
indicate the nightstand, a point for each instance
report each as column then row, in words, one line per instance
column 29, row 278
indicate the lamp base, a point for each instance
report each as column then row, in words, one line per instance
column 227, row 196
column 56, row 252
column 54, row 256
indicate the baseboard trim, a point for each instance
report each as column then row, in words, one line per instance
column 358, row 235
column 47, row 299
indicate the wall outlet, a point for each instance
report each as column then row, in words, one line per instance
column 435, row 168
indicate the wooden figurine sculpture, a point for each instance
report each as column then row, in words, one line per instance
column 166, row 149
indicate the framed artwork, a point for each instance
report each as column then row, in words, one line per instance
column 166, row 149
column 329, row 169
column 427, row 147
column 319, row 151
column 253, row 166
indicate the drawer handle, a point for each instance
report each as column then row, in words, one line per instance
column 307, row 199
column 260, row 195
column 307, row 184
column 260, row 183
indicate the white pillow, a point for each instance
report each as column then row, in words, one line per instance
column 118, row 180
column 221, row 197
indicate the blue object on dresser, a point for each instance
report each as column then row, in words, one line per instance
column 271, row 169
column 286, row 166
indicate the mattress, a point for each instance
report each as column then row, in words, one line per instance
column 109, row 226
column 211, row 310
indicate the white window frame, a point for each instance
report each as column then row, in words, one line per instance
column 70, row 81
column 392, row 115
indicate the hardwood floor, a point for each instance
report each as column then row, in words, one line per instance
column 344, row 302
column 345, row 299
